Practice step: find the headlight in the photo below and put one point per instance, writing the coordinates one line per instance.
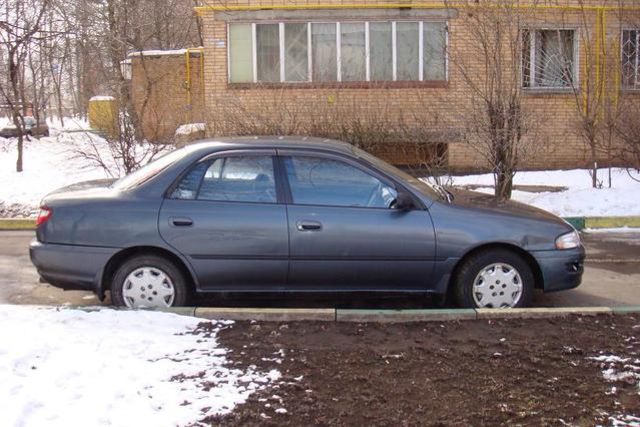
(568, 241)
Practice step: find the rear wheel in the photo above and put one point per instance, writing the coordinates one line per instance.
(148, 281)
(495, 278)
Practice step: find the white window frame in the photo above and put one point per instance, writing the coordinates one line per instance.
(636, 79)
(394, 53)
(532, 58)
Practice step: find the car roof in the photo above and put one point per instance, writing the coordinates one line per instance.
(304, 142)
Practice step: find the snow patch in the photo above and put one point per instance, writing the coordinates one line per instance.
(101, 98)
(163, 52)
(579, 199)
(190, 128)
(116, 368)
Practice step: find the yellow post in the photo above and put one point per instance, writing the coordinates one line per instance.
(188, 83)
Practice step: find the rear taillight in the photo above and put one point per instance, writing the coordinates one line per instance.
(44, 215)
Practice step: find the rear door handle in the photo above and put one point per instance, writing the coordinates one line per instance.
(309, 226)
(181, 221)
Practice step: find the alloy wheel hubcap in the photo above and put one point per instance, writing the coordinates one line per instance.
(498, 285)
(148, 287)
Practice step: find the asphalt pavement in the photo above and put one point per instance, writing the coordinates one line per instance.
(612, 279)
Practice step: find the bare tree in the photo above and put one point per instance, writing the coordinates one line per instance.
(20, 24)
(495, 122)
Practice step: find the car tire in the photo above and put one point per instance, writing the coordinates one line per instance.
(149, 281)
(485, 280)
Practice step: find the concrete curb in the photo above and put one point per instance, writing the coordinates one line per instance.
(539, 312)
(389, 316)
(595, 222)
(17, 224)
(579, 222)
(371, 315)
(267, 314)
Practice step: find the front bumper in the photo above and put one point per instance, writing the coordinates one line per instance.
(561, 269)
(70, 267)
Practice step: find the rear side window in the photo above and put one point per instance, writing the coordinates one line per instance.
(328, 182)
(233, 179)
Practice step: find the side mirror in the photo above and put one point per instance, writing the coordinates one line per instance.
(403, 202)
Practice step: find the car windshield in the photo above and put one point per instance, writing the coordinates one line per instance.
(400, 174)
(149, 170)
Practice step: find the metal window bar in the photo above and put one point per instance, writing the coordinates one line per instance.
(637, 60)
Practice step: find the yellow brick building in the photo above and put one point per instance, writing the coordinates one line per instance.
(304, 66)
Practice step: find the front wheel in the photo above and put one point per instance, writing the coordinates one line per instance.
(148, 281)
(494, 278)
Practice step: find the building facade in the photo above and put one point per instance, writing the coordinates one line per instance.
(406, 80)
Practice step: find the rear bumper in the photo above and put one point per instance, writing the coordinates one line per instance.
(561, 269)
(70, 267)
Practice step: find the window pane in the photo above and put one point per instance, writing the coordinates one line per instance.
(240, 53)
(408, 48)
(188, 187)
(554, 58)
(240, 179)
(434, 41)
(352, 52)
(380, 51)
(295, 52)
(323, 45)
(268, 52)
(327, 182)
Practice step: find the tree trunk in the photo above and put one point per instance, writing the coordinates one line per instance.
(594, 167)
(504, 186)
(19, 161)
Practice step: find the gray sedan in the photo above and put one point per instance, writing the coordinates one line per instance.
(295, 215)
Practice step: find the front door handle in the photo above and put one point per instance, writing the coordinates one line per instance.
(309, 226)
(181, 221)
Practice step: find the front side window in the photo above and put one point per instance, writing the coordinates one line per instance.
(328, 182)
(548, 58)
(233, 179)
(630, 59)
(337, 51)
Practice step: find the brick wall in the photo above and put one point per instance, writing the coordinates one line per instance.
(443, 109)
(163, 94)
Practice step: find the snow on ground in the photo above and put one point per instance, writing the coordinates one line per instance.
(49, 163)
(621, 371)
(52, 162)
(610, 230)
(623, 199)
(116, 368)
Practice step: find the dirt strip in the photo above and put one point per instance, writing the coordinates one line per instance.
(484, 372)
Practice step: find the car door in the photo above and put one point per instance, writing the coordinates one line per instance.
(225, 215)
(343, 233)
